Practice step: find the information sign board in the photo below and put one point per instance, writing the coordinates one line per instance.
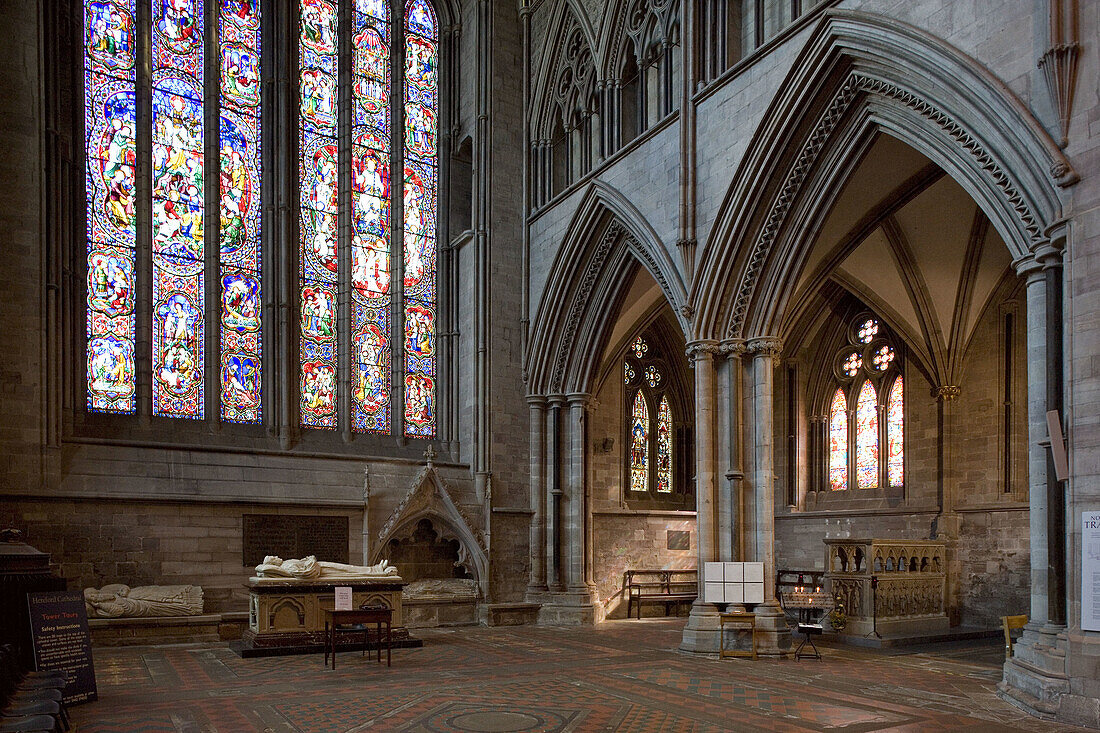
(59, 632)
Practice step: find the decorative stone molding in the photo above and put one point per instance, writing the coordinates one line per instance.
(765, 346)
(430, 498)
(646, 257)
(947, 392)
(700, 350)
(733, 348)
(854, 86)
(1059, 65)
(580, 300)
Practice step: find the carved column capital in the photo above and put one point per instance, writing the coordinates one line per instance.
(579, 399)
(733, 348)
(704, 349)
(947, 392)
(766, 347)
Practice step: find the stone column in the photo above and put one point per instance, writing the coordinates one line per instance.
(1037, 430)
(537, 582)
(555, 536)
(729, 499)
(774, 635)
(575, 496)
(1038, 667)
(701, 634)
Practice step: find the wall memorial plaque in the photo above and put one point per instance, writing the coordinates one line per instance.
(1090, 571)
(678, 539)
(294, 536)
(59, 631)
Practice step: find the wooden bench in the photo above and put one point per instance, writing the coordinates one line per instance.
(1009, 623)
(659, 586)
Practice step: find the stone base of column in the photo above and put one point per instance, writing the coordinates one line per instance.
(773, 633)
(537, 594)
(702, 633)
(1035, 678)
(570, 608)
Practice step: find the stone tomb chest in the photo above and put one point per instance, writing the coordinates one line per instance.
(286, 615)
(910, 580)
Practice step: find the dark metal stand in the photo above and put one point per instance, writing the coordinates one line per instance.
(874, 607)
(808, 628)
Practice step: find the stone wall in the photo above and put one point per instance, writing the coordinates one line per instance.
(93, 543)
(636, 541)
(993, 558)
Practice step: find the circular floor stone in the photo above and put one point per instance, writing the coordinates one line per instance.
(495, 722)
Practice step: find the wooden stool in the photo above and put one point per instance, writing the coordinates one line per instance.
(739, 618)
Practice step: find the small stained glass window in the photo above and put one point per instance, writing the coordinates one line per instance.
(639, 444)
(628, 373)
(882, 358)
(838, 442)
(895, 434)
(867, 331)
(652, 376)
(639, 347)
(852, 364)
(664, 448)
(867, 437)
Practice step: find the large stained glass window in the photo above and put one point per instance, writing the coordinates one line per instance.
(318, 162)
(895, 434)
(368, 171)
(239, 209)
(838, 442)
(419, 202)
(664, 448)
(639, 444)
(178, 208)
(175, 290)
(371, 230)
(867, 437)
(374, 239)
(111, 145)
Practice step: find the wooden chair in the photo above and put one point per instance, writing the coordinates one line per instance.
(1010, 623)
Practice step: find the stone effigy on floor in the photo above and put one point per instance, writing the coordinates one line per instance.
(146, 601)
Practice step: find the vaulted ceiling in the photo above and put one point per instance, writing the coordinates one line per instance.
(911, 243)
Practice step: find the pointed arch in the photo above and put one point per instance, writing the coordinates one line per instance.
(569, 16)
(606, 238)
(860, 74)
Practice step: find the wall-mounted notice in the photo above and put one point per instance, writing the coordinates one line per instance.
(1090, 571)
(59, 629)
(343, 598)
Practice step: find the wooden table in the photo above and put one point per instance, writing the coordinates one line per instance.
(365, 616)
(736, 617)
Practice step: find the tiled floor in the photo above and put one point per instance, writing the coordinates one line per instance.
(622, 675)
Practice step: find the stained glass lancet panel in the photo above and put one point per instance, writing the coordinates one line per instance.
(110, 143)
(867, 438)
(317, 246)
(370, 244)
(239, 209)
(895, 434)
(177, 223)
(664, 448)
(639, 444)
(420, 200)
(838, 442)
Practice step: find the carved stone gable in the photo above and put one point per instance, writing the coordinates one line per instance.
(429, 497)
